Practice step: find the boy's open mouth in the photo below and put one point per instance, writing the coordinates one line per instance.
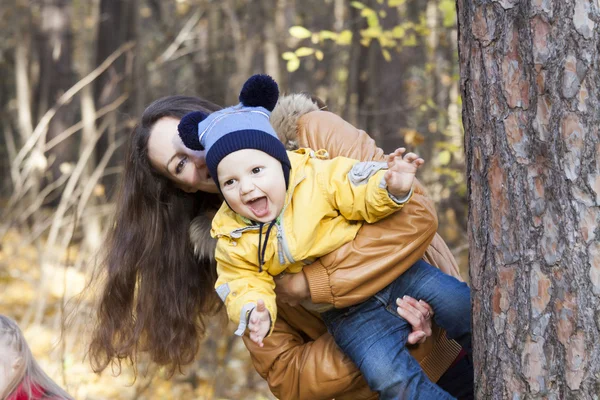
(259, 206)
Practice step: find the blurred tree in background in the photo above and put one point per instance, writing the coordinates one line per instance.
(76, 74)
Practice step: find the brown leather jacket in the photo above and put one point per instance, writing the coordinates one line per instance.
(300, 360)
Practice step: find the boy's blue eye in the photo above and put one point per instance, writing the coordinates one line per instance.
(256, 170)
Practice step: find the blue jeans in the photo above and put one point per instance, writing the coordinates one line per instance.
(374, 336)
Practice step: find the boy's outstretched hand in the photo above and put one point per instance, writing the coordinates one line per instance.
(259, 323)
(401, 172)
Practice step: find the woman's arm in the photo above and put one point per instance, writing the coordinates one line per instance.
(301, 361)
(381, 251)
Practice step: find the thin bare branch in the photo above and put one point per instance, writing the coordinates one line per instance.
(33, 207)
(179, 39)
(11, 146)
(70, 188)
(42, 126)
(98, 172)
(78, 126)
(96, 211)
(22, 87)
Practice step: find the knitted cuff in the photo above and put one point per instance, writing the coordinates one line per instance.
(441, 357)
(318, 283)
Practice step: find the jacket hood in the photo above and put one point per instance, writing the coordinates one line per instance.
(285, 115)
(284, 119)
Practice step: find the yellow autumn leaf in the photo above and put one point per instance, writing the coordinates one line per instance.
(413, 138)
(345, 37)
(319, 55)
(342, 74)
(384, 41)
(371, 33)
(398, 32)
(386, 55)
(396, 3)
(444, 157)
(304, 51)
(324, 35)
(288, 55)
(357, 4)
(300, 32)
(410, 41)
(293, 64)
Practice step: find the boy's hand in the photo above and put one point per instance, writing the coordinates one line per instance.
(401, 172)
(259, 323)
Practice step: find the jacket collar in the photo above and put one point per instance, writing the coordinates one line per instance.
(285, 115)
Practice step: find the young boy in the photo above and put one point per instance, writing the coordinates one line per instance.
(313, 206)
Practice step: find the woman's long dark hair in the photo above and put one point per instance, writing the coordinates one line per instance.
(157, 294)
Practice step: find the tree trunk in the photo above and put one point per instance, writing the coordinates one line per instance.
(118, 25)
(530, 82)
(92, 226)
(273, 32)
(55, 48)
(357, 52)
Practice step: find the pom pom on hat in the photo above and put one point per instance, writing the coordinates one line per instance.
(188, 130)
(243, 126)
(260, 91)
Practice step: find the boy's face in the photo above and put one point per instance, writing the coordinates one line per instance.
(253, 184)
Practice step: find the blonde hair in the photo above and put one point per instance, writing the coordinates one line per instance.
(29, 372)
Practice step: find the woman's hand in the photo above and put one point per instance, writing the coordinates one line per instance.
(292, 288)
(418, 314)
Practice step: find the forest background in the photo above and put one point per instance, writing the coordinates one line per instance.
(77, 73)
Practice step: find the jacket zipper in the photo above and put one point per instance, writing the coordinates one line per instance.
(282, 246)
(237, 233)
(284, 249)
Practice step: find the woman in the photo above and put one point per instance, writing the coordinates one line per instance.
(168, 282)
(21, 377)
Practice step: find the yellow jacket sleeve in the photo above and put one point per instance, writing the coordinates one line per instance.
(240, 285)
(357, 189)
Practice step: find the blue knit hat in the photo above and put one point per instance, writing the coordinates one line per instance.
(244, 126)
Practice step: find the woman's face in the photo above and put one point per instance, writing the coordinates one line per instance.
(169, 156)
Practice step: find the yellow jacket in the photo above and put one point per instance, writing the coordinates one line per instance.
(324, 209)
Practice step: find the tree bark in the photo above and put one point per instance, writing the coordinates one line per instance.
(530, 82)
